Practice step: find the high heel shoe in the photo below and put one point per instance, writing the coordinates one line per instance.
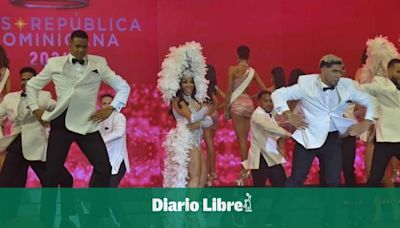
(244, 174)
(395, 175)
(211, 178)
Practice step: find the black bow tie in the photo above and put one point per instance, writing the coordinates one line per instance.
(328, 88)
(82, 62)
(23, 94)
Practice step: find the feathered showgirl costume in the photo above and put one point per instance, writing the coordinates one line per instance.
(185, 60)
(379, 52)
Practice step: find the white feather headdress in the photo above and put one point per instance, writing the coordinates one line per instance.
(379, 52)
(185, 60)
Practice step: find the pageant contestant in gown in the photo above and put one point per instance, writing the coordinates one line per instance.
(183, 86)
(238, 103)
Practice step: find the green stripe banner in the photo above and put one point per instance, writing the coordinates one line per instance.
(208, 207)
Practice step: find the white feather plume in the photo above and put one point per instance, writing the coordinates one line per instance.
(185, 60)
(379, 52)
(177, 146)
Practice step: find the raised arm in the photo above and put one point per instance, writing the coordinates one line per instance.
(119, 85)
(281, 96)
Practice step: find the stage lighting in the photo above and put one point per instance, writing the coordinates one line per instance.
(52, 4)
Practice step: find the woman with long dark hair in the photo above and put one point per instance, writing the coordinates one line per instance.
(209, 133)
(277, 78)
(183, 86)
(294, 76)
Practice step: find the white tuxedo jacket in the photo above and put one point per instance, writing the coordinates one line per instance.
(388, 99)
(264, 134)
(317, 112)
(33, 134)
(79, 97)
(113, 132)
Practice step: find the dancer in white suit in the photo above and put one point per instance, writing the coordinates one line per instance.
(26, 146)
(27, 143)
(77, 77)
(387, 91)
(323, 99)
(113, 132)
(265, 158)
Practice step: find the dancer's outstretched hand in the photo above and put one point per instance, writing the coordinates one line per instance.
(38, 113)
(358, 128)
(296, 121)
(102, 114)
(193, 126)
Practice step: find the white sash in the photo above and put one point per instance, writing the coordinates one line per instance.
(4, 79)
(239, 90)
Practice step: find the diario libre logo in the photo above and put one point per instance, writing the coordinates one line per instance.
(206, 205)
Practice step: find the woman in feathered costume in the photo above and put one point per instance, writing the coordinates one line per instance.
(183, 86)
(378, 54)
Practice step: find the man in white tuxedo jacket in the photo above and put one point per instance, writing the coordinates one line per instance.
(27, 143)
(77, 78)
(387, 144)
(113, 132)
(26, 146)
(265, 158)
(323, 101)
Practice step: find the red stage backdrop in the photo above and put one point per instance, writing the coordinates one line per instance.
(134, 36)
